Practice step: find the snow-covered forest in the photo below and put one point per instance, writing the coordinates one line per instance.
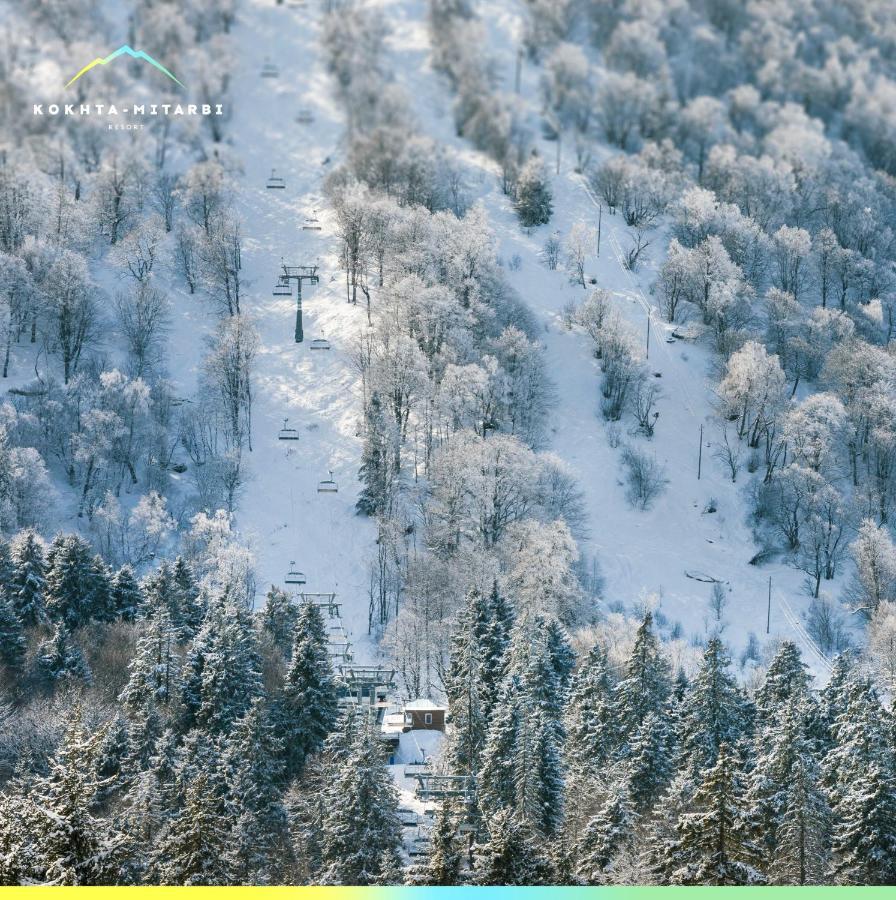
(523, 364)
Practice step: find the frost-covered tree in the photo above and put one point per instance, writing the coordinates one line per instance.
(533, 197)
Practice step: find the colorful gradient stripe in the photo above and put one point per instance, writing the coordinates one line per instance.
(451, 893)
(124, 51)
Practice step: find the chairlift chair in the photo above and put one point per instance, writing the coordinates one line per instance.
(311, 224)
(294, 576)
(327, 486)
(275, 182)
(269, 69)
(305, 117)
(286, 433)
(282, 288)
(320, 344)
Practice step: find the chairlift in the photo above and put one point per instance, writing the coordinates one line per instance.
(294, 576)
(305, 117)
(286, 433)
(327, 486)
(311, 224)
(282, 288)
(275, 182)
(269, 69)
(320, 344)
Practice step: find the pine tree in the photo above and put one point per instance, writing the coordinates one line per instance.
(306, 711)
(534, 200)
(125, 594)
(360, 828)
(714, 710)
(60, 659)
(609, 833)
(12, 636)
(647, 682)
(76, 847)
(711, 844)
(77, 583)
(254, 774)
(864, 845)
(27, 583)
(511, 855)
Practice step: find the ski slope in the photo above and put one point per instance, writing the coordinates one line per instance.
(280, 512)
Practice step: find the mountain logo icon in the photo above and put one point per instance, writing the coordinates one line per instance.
(124, 51)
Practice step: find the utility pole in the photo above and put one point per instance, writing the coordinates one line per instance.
(700, 455)
(519, 69)
(600, 215)
(647, 354)
(768, 615)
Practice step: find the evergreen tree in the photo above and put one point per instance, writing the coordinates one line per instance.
(864, 845)
(591, 734)
(360, 829)
(27, 583)
(376, 473)
(648, 766)
(254, 774)
(279, 617)
(60, 659)
(562, 655)
(496, 782)
(160, 590)
(714, 710)
(188, 598)
(785, 680)
(306, 711)
(711, 845)
(534, 200)
(784, 789)
(833, 697)
(155, 669)
(647, 682)
(802, 849)
(76, 848)
(445, 854)
(511, 856)
(77, 583)
(12, 636)
(222, 670)
(606, 835)
(125, 594)
(194, 846)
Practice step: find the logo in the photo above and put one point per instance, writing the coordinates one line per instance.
(124, 51)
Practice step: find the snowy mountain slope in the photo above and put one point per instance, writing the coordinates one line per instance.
(281, 512)
(641, 553)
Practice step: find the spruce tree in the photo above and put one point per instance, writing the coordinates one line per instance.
(254, 775)
(279, 617)
(785, 680)
(648, 766)
(188, 598)
(76, 848)
(591, 734)
(647, 682)
(12, 636)
(77, 583)
(27, 584)
(125, 594)
(562, 655)
(445, 853)
(864, 844)
(715, 711)
(306, 711)
(609, 833)
(59, 659)
(711, 844)
(155, 669)
(376, 460)
(496, 781)
(511, 856)
(361, 830)
(534, 200)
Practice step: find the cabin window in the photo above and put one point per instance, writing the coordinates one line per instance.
(427, 718)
